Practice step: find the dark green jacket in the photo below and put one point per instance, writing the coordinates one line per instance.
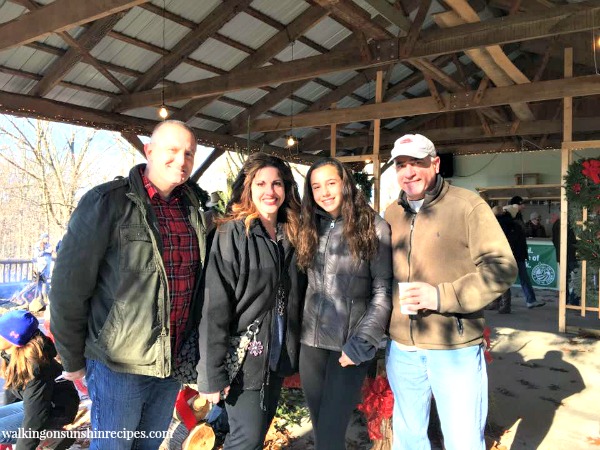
(110, 296)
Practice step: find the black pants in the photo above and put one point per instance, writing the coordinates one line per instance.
(332, 392)
(248, 423)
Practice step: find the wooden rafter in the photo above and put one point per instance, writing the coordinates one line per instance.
(392, 14)
(566, 19)
(222, 14)
(540, 91)
(64, 64)
(43, 108)
(415, 29)
(60, 15)
(267, 51)
(473, 133)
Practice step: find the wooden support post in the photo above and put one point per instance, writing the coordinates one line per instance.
(376, 141)
(564, 165)
(332, 139)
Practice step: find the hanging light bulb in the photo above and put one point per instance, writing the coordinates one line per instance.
(163, 112)
(291, 141)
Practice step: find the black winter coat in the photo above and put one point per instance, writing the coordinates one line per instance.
(46, 403)
(242, 274)
(346, 298)
(515, 233)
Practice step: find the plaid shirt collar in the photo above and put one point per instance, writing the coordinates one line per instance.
(152, 191)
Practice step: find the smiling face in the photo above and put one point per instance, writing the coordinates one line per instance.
(416, 176)
(326, 186)
(268, 192)
(170, 157)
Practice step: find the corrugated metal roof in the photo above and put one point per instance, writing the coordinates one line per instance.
(222, 110)
(10, 11)
(328, 33)
(218, 54)
(87, 99)
(124, 54)
(248, 30)
(184, 73)
(283, 11)
(311, 91)
(250, 96)
(87, 75)
(27, 59)
(182, 8)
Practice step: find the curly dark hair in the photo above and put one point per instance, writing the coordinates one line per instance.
(241, 206)
(357, 215)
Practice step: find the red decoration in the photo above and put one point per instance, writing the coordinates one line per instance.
(486, 338)
(184, 409)
(577, 188)
(292, 382)
(377, 404)
(591, 169)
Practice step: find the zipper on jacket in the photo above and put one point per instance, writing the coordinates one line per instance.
(410, 243)
(331, 227)
(164, 358)
(266, 369)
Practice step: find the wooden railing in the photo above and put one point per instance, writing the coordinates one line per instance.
(15, 270)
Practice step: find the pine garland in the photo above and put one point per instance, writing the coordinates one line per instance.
(364, 182)
(582, 185)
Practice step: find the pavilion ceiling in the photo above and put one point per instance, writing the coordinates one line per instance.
(476, 76)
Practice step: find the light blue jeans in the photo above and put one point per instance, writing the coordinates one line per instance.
(458, 381)
(11, 418)
(123, 402)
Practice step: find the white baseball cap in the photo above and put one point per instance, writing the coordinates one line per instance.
(413, 145)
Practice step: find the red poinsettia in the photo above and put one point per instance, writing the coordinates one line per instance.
(577, 188)
(377, 404)
(591, 169)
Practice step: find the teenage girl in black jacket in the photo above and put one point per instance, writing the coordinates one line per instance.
(344, 246)
(35, 399)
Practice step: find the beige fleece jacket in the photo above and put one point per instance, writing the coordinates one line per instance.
(454, 243)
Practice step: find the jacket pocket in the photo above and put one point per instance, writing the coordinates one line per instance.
(136, 251)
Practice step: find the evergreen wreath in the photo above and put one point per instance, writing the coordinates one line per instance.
(582, 185)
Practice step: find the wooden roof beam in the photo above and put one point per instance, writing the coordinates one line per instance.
(268, 50)
(43, 108)
(532, 92)
(222, 14)
(60, 15)
(471, 133)
(559, 20)
(88, 40)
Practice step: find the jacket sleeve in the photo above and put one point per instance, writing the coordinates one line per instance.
(37, 408)
(374, 323)
(495, 268)
(222, 273)
(75, 276)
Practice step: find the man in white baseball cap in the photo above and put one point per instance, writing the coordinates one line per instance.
(452, 259)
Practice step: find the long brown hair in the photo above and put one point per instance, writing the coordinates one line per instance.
(23, 361)
(358, 217)
(241, 206)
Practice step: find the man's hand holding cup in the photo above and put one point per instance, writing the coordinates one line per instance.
(415, 296)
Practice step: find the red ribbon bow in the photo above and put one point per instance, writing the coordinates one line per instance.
(377, 404)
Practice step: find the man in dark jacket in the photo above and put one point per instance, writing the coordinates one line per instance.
(126, 291)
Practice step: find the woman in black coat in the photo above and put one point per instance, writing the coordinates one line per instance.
(35, 399)
(252, 280)
(345, 249)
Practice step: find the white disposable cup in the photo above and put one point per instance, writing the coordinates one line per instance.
(404, 308)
